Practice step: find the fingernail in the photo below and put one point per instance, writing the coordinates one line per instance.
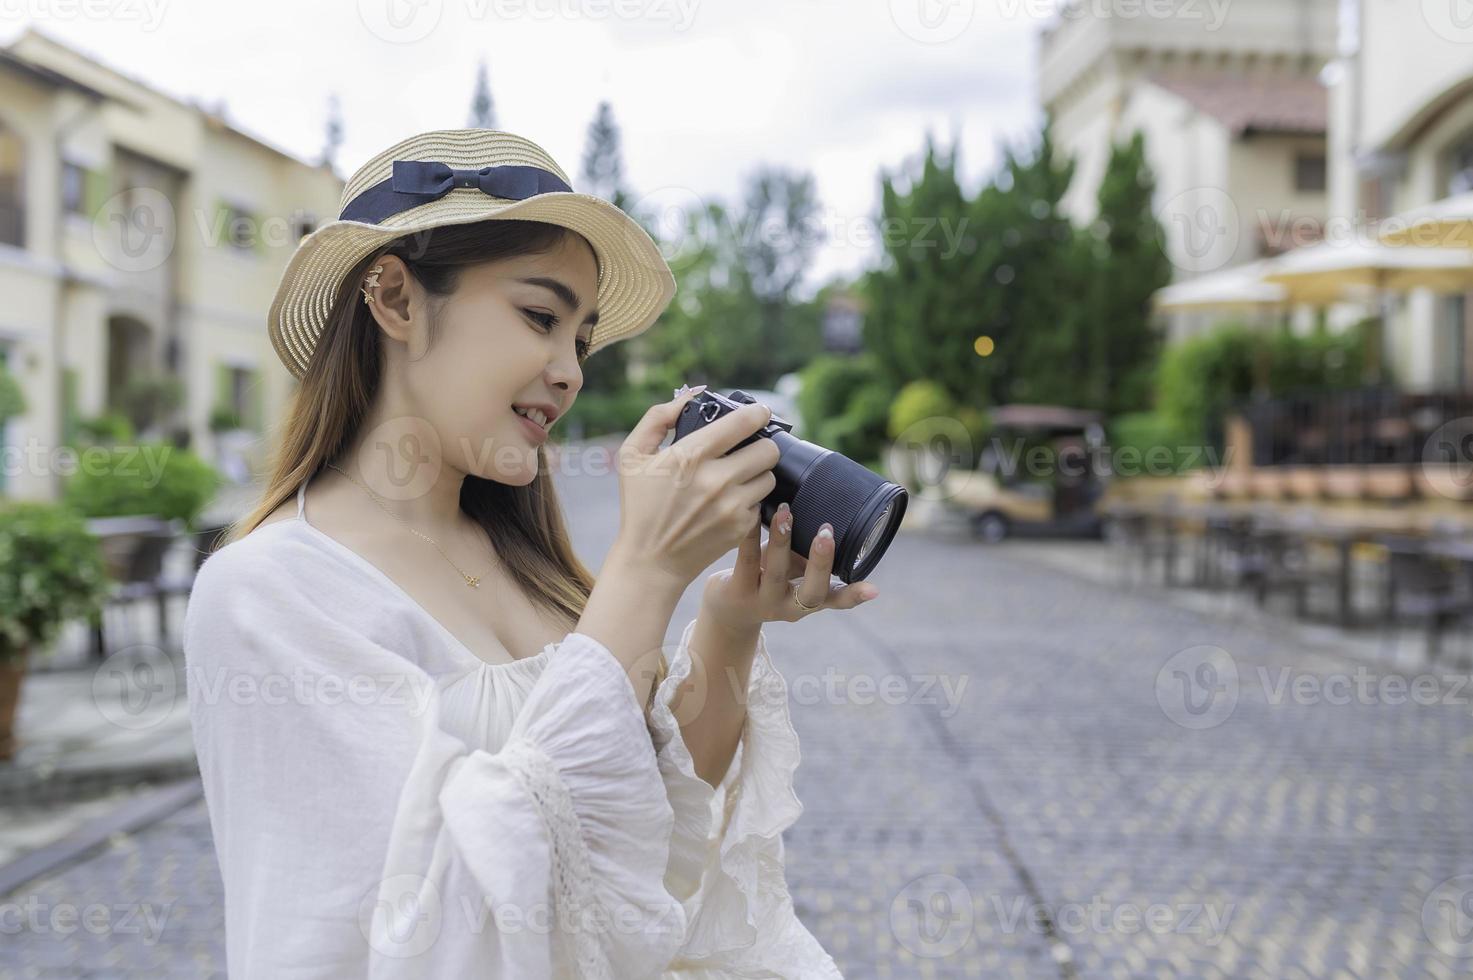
(867, 595)
(825, 537)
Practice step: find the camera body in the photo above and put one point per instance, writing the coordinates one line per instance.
(709, 406)
(820, 486)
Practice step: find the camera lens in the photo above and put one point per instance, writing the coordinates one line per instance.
(822, 486)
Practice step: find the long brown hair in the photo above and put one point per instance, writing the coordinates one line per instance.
(342, 380)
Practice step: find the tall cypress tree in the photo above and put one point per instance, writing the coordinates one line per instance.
(603, 159)
(1130, 263)
(922, 301)
(1032, 307)
(483, 111)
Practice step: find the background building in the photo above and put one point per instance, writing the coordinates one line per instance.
(1233, 113)
(1401, 136)
(141, 239)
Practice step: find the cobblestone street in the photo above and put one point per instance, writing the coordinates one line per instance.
(1009, 771)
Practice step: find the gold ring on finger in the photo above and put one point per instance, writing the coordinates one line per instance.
(803, 605)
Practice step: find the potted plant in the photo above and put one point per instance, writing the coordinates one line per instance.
(223, 418)
(152, 478)
(51, 571)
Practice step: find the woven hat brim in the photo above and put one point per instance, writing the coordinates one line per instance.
(635, 282)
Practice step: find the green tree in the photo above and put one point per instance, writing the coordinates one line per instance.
(922, 300)
(483, 110)
(602, 175)
(1033, 274)
(1129, 264)
(775, 247)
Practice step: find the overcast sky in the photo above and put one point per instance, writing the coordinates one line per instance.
(703, 91)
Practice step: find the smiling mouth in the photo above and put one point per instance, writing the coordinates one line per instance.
(529, 418)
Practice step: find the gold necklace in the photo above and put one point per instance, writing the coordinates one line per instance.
(474, 581)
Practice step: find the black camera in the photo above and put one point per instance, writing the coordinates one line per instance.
(819, 485)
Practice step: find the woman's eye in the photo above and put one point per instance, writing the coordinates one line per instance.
(582, 347)
(548, 320)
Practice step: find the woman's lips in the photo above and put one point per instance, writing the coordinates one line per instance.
(534, 431)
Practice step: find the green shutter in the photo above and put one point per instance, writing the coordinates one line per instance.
(95, 187)
(68, 405)
(254, 419)
(222, 386)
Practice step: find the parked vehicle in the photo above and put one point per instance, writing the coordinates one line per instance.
(1037, 475)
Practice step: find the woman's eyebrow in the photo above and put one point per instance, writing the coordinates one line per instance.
(563, 292)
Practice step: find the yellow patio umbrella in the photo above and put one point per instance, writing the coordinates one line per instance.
(1447, 223)
(1238, 288)
(1330, 272)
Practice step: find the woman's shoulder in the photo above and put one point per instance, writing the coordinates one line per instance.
(262, 564)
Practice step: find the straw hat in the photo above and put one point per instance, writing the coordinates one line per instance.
(454, 176)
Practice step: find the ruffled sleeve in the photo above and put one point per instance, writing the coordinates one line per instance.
(726, 860)
(357, 837)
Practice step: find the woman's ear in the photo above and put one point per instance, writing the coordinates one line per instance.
(395, 299)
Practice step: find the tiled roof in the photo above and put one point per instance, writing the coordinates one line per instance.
(1252, 103)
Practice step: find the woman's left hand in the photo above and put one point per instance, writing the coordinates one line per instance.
(760, 588)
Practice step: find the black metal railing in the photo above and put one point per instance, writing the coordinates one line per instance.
(1363, 426)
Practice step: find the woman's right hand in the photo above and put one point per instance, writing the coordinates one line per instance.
(684, 506)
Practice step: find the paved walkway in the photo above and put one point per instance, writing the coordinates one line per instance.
(1016, 770)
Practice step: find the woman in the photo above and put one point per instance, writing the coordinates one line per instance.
(397, 784)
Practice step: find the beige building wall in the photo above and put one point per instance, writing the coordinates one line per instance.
(1215, 188)
(192, 300)
(1401, 100)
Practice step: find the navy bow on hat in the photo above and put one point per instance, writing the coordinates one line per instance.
(416, 182)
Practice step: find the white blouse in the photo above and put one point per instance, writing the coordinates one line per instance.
(384, 803)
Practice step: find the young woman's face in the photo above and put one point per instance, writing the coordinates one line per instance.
(510, 335)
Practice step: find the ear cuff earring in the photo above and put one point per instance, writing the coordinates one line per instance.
(370, 281)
